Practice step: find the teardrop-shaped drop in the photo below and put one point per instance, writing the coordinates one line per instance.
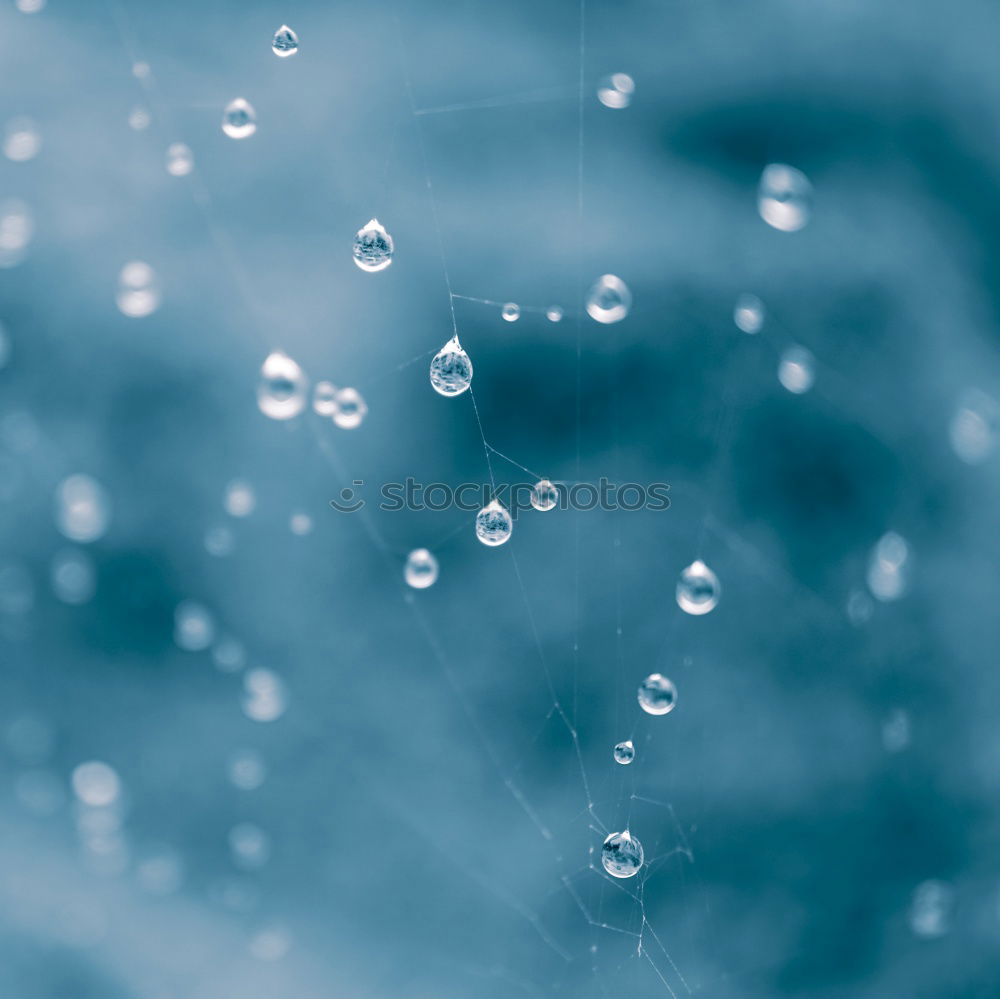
(285, 42)
(373, 247)
(281, 391)
(609, 300)
(451, 369)
(351, 409)
(784, 197)
(493, 524)
(239, 120)
(698, 589)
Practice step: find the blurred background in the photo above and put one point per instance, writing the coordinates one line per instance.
(240, 757)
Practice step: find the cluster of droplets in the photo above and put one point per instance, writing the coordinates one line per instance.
(283, 390)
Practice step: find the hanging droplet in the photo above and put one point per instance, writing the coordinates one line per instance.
(83, 508)
(544, 495)
(373, 247)
(282, 389)
(325, 398)
(889, 567)
(657, 695)
(622, 855)
(493, 524)
(180, 159)
(138, 290)
(239, 120)
(609, 300)
(797, 370)
(624, 753)
(351, 409)
(784, 197)
(22, 140)
(285, 42)
(421, 569)
(554, 313)
(973, 428)
(451, 369)
(698, 589)
(511, 312)
(615, 91)
(749, 314)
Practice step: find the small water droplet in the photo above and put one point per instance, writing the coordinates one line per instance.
(239, 499)
(609, 300)
(493, 524)
(657, 695)
(973, 427)
(511, 312)
(246, 769)
(797, 370)
(180, 159)
(250, 846)
(138, 290)
(784, 197)
(300, 524)
(139, 119)
(351, 409)
(74, 580)
(265, 697)
(616, 91)
(194, 627)
(325, 398)
(698, 589)
(888, 567)
(451, 369)
(421, 569)
(282, 389)
(22, 140)
(624, 753)
(373, 247)
(622, 855)
(239, 120)
(285, 42)
(83, 508)
(554, 313)
(17, 228)
(96, 784)
(544, 495)
(749, 314)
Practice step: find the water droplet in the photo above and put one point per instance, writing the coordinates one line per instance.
(194, 627)
(96, 784)
(616, 91)
(264, 695)
(140, 70)
(139, 119)
(180, 159)
(351, 409)
(544, 495)
(511, 312)
(285, 42)
(888, 567)
(622, 855)
(228, 655)
(73, 576)
(83, 508)
(554, 313)
(325, 398)
(282, 389)
(239, 499)
(373, 247)
(239, 120)
(609, 300)
(451, 369)
(220, 541)
(22, 140)
(930, 910)
(493, 524)
(300, 524)
(698, 589)
(973, 428)
(30, 6)
(796, 370)
(138, 290)
(784, 197)
(624, 753)
(749, 314)
(421, 569)
(250, 846)
(17, 227)
(246, 769)
(657, 695)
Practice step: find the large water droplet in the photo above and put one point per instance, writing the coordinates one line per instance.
(180, 159)
(239, 120)
(373, 247)
(622, 855)
(624, 753)
(493, 524)
(657, 695)
(282, 389)
(615, 91)
(451, 369)
(749, 314)
(698, 589)
(351, 409)
(285, 42)
(609, 300)
(784, 197)
(421, 569)
(544, 495)
(797, 370)
(138, 290)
